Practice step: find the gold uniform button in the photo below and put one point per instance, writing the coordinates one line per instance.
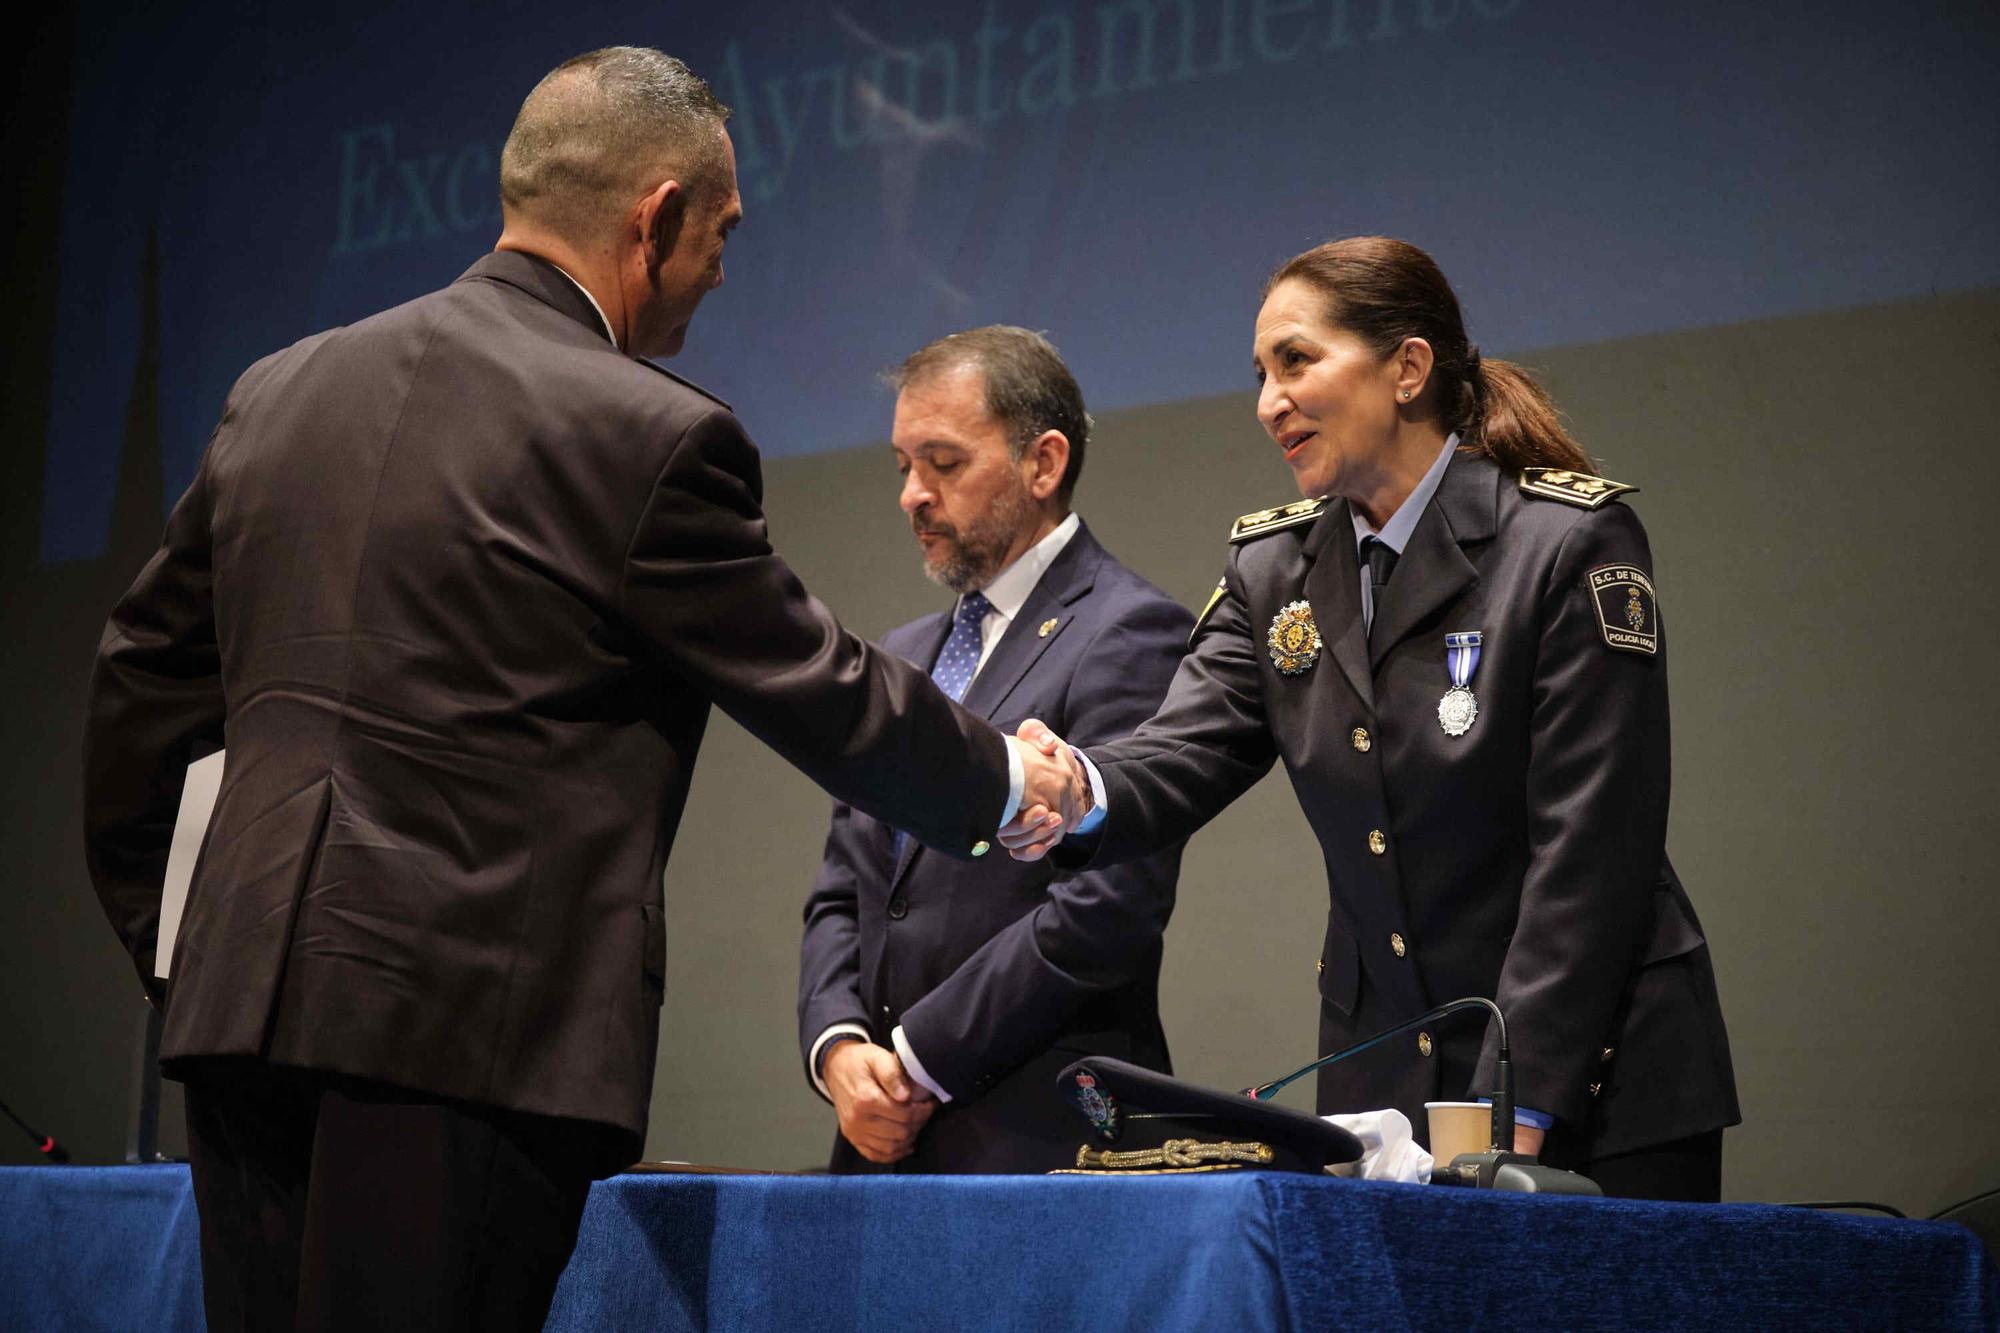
(1424, 1044)
(1378, 841)
(1396, 943)
(1319, 964)
(1605, 1055)
(1359, 737)
(981, 847)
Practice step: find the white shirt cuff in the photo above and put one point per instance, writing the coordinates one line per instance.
(1017, 781)
(812, 1056)
(1093, 821)
(915, 1067)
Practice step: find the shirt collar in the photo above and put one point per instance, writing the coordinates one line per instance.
(588, 297)
(1395, 534)
(1010, 587)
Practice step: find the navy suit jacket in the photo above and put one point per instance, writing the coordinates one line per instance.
(1002, 972)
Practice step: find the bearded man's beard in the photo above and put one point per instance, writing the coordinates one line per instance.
(970, 558)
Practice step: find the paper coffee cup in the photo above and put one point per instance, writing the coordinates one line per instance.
(1458, 1127)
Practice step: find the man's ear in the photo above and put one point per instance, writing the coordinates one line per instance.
(1049, 454)
(661, 216)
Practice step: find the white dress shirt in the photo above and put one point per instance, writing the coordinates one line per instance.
(588, 297)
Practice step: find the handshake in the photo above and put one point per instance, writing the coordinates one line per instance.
(1055, 795)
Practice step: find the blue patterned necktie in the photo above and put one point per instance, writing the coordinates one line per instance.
(956, 662)
(959, 657)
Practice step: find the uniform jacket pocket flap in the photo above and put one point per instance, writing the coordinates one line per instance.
(1339, 969)
(1674, 928)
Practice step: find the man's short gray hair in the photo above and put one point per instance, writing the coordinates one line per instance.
(602, 129)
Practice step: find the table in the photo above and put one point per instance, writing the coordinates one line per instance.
(116, 1248)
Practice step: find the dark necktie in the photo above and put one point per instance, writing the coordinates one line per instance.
(1381, 558)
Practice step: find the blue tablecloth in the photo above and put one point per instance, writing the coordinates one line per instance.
(115, 1248)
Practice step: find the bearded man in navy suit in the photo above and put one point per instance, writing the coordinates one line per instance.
(938, 1000)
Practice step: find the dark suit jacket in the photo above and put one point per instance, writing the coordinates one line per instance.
(999, 972)
(457, 586)
(1524, 860)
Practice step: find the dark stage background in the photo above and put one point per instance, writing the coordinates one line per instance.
(1754, 252)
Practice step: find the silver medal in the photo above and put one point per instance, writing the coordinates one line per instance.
(1457, 710)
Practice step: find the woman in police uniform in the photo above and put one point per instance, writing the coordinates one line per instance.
(1454, 645)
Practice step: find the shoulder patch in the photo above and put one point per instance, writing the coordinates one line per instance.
(1221, 586)
(682, 380)
(1577, 488)
(1271, 520)
(1627, 610)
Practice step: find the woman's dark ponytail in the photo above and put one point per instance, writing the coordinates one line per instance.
(1385, 291)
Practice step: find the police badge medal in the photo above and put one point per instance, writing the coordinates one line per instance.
(1294, 639)
(1458, 710)
(1099, 1107)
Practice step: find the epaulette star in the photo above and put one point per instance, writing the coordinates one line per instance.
(1577, 488)
(1272, 520)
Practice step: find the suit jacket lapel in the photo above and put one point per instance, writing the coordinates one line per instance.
(1072, 574)
(1333, 586)
(1434, 569)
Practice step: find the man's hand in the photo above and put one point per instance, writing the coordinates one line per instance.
(880, 1107)
(1054, 798)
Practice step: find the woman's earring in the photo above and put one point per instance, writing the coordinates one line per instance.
(1406, 395)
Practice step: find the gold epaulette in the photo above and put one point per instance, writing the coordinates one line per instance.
(1271, 520)
(1577, 488)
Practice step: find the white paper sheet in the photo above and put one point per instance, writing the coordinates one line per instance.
(204, 780)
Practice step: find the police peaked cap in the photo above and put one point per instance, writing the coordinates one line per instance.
(1140, 1121)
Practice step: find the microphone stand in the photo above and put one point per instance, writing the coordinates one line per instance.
(1499, 1167)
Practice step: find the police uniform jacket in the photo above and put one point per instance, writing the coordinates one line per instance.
(1523, 860)
(456, 586)
(999, 971)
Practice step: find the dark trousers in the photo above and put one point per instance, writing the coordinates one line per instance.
(1685, 1170)
(335, 1203)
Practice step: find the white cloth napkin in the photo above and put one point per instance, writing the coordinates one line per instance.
(1389, 1148)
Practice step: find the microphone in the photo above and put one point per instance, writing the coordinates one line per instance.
(45, 1144)
(1499, 1167)
(1503, 1092)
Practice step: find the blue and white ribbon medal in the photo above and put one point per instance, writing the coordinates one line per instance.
(1458, 709)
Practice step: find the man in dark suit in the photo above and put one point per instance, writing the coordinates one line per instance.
(938, 1000)
(457, 585)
